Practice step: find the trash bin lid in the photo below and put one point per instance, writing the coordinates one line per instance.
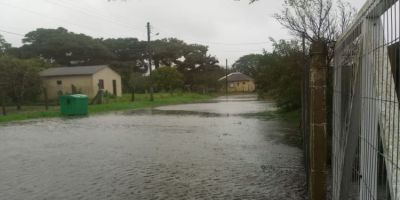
(79, 96)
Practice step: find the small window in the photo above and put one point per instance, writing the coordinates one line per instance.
(244, 83)
(59, 82)
(101, 84)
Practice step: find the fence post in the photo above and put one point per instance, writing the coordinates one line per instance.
(317, 112)
(305, 110)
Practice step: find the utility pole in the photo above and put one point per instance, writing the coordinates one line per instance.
(226, 77)
(149, 54)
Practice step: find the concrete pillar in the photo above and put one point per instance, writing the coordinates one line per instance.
(318, 132)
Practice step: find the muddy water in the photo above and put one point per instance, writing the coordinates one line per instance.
(194, 151)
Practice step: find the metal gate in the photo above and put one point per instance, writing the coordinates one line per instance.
(365, 157)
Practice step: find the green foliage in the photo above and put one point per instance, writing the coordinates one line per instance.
(206, 80)
(281, 75)
(21, 78)
(167, 51)
(278, 74)
(248, 64)
(167, 78)
(138, 82)
(63, 47)
(4, 46)
(126, 49)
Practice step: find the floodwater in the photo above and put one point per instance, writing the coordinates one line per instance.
(193, 151)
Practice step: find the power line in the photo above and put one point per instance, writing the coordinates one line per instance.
(115, 17)
(223, 43)
(232, 44)
(47, 17)
(88, 13)
(12, 33)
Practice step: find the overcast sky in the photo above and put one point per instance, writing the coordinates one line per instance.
(230, 28)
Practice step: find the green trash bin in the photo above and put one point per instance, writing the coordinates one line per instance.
(72, 105)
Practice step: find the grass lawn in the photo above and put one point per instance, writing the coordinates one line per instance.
(117, 104)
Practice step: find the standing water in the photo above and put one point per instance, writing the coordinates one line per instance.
(192, 151)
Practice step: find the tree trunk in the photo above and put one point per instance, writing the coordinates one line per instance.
(156, 63)
(3, 104)
(46, 99)
(133, 95)
(18, 106)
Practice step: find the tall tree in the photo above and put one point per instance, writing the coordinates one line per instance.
(64, 47)
(248, 64)
(4, 46)
(126, 49)
(167, 78)
(167, 51)
(22, 78)
(137, 81)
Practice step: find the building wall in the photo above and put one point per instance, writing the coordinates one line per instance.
(82, 83)
(241, 86)
(107, 75)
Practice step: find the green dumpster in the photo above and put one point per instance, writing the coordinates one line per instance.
(76, 104)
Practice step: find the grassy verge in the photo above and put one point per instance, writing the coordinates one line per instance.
(117, 104)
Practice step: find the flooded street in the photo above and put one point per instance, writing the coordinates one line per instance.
(193, 151)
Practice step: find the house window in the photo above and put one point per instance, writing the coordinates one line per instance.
(244, 83)
(101, 84)
(59, 82)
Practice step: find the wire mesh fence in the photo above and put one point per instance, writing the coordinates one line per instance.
(365, 157)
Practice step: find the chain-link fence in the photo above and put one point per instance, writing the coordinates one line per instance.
(365, 160)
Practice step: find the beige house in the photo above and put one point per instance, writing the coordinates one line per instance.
(83, 79)
(238, 82)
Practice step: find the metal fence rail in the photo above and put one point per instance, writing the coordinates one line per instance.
(365, 157)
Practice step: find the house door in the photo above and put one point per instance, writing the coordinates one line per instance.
(114, 87)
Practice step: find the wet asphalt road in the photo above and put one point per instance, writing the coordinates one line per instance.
(194, 151)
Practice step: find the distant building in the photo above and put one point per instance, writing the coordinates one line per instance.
(238, 82)
(81, 79)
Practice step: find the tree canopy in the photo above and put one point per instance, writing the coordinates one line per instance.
(248, 64)
(20, 78)
(64, 47)
(167, 78)
(277, 73)
(4, 46)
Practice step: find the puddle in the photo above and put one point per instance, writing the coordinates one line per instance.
(191, 151)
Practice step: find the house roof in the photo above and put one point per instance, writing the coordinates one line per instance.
(236, 76)
(72, 71)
